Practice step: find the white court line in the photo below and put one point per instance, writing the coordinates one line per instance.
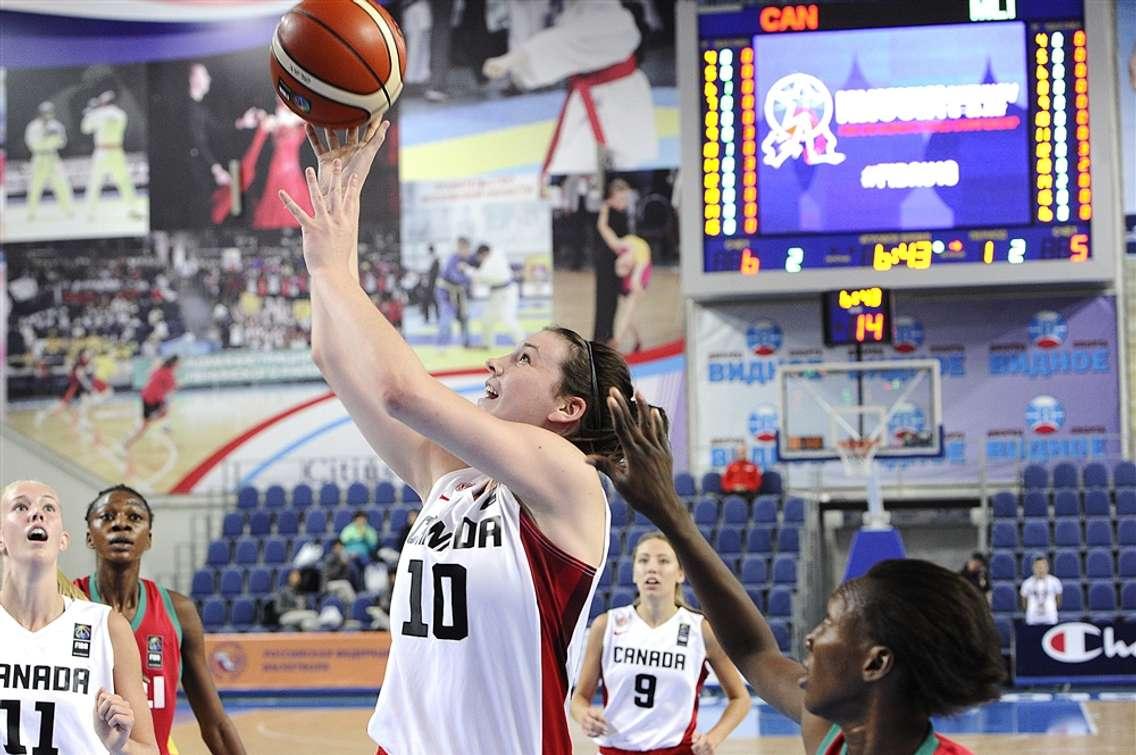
(171, 459)
(1088, 718)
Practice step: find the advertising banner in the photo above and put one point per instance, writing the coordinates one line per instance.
(1075, 652)
(310, 662)
(1024, 380)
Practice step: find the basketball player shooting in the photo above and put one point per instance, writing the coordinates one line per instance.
(906, 641)
(497, 574)
(70, 676)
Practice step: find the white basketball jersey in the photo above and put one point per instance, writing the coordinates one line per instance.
(50, 679)
(487, 616)
(652, 678)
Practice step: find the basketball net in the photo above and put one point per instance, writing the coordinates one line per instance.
(857, 455)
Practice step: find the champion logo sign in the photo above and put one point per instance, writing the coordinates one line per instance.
(1077, 642)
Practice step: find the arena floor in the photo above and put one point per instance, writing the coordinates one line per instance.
(1068, 726)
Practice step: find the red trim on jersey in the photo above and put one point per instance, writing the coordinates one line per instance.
(562, 584)
(688, 735)
(684, 749)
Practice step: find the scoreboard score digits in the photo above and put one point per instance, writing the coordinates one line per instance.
(861, 138)
(857, 316)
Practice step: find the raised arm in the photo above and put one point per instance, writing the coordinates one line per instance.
(381, 381)
(217, 729)
(646, 481)
(590, 717)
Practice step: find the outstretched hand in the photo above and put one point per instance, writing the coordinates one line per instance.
(646, 476)
(331, 232)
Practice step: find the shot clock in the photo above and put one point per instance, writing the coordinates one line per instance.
(857, 316)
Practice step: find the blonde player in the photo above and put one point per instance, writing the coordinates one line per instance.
(45, 136)
(652, 657)
(106, 121)
(70, 675)
(496, 576)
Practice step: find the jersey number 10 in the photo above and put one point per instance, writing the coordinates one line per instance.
(458, 626)
(12, 744)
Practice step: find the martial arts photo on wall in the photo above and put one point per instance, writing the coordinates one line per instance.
(76, 152)
(229, 145)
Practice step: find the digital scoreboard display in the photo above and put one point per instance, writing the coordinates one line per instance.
(857, 316)
(894, 135)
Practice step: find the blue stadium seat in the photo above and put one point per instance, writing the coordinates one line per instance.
(287, 522)
(1065, 475)
(712, 483)
(1036, 505)
(759, 540)
(282, 577)
(692, 600)
(260, 523)
(1067, 532)
(1035, 534)
(794, 511)
(755, 570)
(684, 485)
(757, 595)
(218, 553)
(729, 541)
(1128, 597)
(259, 581)
(1126, 531)
(614, 543)
(1005, 505)
(607, 575)
(598, 607)
(1098, 564)
(275, 550)
(782, 634)
(375, 518)
(248, 498)
(248, 551)
(1094, 475)
(315, 523)
(359, 606)
(1066, 503)
(1005, 629)
(785, 570)
(1098, 532)
(621, 596)
(203, 584)
(274, 497)
(639, 519)
(771, 483)
(384, 492)
(780, 602)
(398, 516)
(1097, 502)
(1035, 477)
(302, 496)
(1002, 566)
(788, 540)
(232, 582)
(233, 524)
(707, 532)
(765, 509)
(243, 614)
(1072, 601)
(357, 495)
(341, 518)
(635, 532)
(619, 510)
(1067, 565)
(1004, 599)
(1027, 563)
(1124, 475)
(1126, 502)
(213, 614)
(735, 510)
(329, 494)
(1127, 563)
(625, 572)
(706, 511)
(1102, 596)
(409, 495)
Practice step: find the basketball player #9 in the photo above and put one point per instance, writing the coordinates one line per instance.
(338, 65)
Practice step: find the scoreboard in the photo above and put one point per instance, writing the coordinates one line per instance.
(894, 144)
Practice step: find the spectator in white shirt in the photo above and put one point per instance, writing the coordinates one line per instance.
(1041, 594)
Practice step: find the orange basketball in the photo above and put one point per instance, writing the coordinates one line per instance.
(337, 64)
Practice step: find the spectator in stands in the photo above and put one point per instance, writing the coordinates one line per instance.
(360, 539)
(976, 572)
(340, 575)
(742, 475)
(1041, 594)
(292, 610)
(390, 556)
